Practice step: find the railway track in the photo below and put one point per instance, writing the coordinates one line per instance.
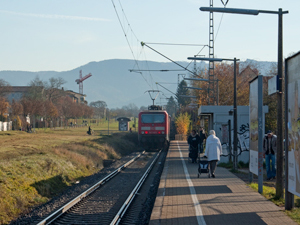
(108, 204)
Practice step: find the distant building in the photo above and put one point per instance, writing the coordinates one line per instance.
(17, 92)
(249, 73)
(76, 97)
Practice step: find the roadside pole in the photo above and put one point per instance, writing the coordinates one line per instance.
(260, 134)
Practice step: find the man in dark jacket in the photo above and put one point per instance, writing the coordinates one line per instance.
(193, 141)
(202, 136)
(270, 149)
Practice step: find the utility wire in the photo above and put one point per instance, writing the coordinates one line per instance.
(167, 83)
(219, 27)
(174, 44)
(167, 89)
(148, 67)
(180, 44)
(128, 41)
(224, 3)
(143, 44)
(197, 54)
(129, 27)
(127, 20)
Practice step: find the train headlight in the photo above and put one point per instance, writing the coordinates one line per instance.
(142, 132)
(163, 132)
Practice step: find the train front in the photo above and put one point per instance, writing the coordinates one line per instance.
(154, 128)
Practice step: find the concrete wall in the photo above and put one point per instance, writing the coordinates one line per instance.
(218, 121)
(5, 126)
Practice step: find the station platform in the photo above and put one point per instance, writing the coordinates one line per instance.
(183, 198)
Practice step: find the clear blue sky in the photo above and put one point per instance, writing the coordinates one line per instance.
(64, 34)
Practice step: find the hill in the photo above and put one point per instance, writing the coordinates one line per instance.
(112, 81)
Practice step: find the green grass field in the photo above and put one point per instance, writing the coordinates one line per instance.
(34, 167)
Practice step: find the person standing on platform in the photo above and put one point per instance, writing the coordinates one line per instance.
(270, 148)
(212, 152)
(193, 142)
(202, 136)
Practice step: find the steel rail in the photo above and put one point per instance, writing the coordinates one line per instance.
(130, 198)
(77, 199)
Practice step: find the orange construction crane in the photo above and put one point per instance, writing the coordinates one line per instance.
(80, 80)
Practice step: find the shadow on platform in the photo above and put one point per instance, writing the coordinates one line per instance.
(224, 219)
(218, 189)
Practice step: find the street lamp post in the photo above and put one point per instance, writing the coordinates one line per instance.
(279, 156)
(234, 103)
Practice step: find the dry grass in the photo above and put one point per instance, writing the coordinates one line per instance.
(35, 167)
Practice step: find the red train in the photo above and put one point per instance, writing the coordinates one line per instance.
(154, 128)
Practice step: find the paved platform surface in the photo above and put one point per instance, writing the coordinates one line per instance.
(183, 198)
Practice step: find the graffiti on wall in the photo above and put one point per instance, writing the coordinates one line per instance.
(243, 138)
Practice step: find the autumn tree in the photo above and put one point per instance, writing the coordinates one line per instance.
(16, 111)
(27, 106)
(131, 110)
(87, 111)
(47, 90)
(37, 89)
(54, 89)
(223, 74)
(32, 107)
(50, 111)
(4, 107)
(99, 108)
(67, 107)
(182, 123)
(202, 95)
(271, 102)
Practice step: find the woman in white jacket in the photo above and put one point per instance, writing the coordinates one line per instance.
(212, 152)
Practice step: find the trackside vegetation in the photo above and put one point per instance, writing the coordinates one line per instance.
(270, 194)
(35, 167)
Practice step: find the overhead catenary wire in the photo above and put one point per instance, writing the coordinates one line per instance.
(167, 89)
(182, 45)
(174, 44)
(148, 67)
(125, 34)
(144, 44)
(127, 20)
(197, 54)
(219, 27)
(167, 83)
(224, 3)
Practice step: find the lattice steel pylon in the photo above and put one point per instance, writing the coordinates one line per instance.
(211, 75)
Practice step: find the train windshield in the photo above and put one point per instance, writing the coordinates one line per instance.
(153, 118)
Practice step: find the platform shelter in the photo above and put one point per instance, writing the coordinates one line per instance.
(220, 119)
(124, 123)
